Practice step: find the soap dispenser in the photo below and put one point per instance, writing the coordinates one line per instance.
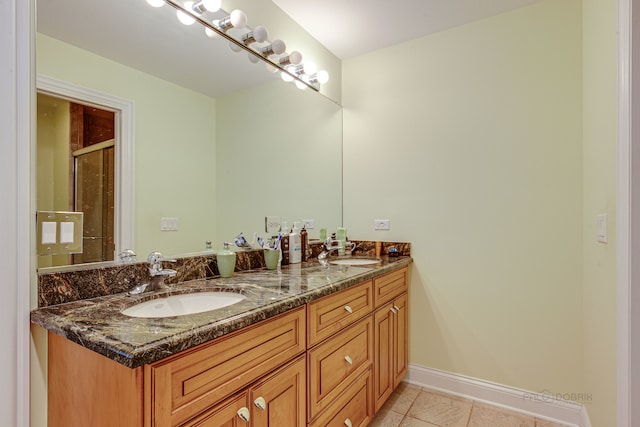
(295, 244)
(226, 261)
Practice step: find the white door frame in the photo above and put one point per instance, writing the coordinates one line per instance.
(124, 157)
(628, 226)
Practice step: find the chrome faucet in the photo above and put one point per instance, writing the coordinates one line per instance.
(328, 246)
(158, 274)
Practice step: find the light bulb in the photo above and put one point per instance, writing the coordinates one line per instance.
(252, 58)
(207, 5)
(238, 18)
(275, 48)
(300, 85)
(294, 58)
(156, 3)
(286, 77)
(234, 47)
(310, 68)
(212, 5)
(211, 34)
(322, 77)
(183, 17)
(270, 68)
(258, 35)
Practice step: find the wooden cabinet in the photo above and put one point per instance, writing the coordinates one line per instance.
(352, 408)
(333, 362)
(277, 401)
(184, 385)
(391, 339)
(330, 314)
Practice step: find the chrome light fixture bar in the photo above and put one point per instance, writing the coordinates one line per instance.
(240, 45)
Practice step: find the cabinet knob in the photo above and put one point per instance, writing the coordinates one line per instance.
(348, 423)
(349, 360)
(260, 403)
(349, 309)
(243, 413)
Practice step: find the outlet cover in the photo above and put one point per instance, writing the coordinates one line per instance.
(309, 224)
(601, 226)
(272, 224)
(381, 224)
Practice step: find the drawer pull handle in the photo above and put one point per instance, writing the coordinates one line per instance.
(348, 423)
(349, 360)
(243, 413)
(260, 403)
(393, 310)
(349, 309)
(396, 307)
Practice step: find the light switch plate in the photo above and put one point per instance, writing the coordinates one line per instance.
(168, 224)
(601, 227)
(309, 224)
(59, 233)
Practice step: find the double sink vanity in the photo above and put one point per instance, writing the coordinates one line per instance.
(304, 345)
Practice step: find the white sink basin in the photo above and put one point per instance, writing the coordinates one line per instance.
(355, 261)
(179, 305)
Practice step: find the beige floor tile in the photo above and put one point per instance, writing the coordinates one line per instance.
(441, 409)
(401, 399)
(543, 423)
(386, 418)
(414, 422)
(489, 416)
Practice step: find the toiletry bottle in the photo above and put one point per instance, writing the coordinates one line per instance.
(341, 236)
(226, 261)
(304, 242)
(295, 245)
(284, 244)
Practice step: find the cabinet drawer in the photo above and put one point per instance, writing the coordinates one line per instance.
(355, 405)
(184, 385)
(389, 286)
(330, 314)
(334, 363)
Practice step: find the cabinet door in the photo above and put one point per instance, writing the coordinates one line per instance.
(280, 401)
(226, 414)
(383, 355)
(401, 338)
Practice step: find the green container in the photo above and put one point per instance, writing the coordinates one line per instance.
(226, 261)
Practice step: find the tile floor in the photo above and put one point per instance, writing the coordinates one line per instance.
(412, 406)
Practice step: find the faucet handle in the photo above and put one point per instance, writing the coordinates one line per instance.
(155, 261)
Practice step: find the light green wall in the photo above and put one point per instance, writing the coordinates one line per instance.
(277, 158)
(599, 181)
(469, 142)
(174, 145)
(52, 155)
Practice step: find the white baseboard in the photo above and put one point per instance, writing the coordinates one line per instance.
(540, 405)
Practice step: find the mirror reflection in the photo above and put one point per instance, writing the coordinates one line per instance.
(217, 165)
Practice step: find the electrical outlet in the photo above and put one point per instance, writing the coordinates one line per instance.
(308, 223)
(381, 224)
(168, 224)
(272, 224)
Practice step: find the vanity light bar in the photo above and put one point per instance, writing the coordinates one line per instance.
(302, 81)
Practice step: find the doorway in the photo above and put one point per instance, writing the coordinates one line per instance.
(76, 150)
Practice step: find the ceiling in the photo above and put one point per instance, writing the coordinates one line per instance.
(150, 40)
(349, 28)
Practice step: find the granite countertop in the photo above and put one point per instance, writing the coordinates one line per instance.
(99, 325)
